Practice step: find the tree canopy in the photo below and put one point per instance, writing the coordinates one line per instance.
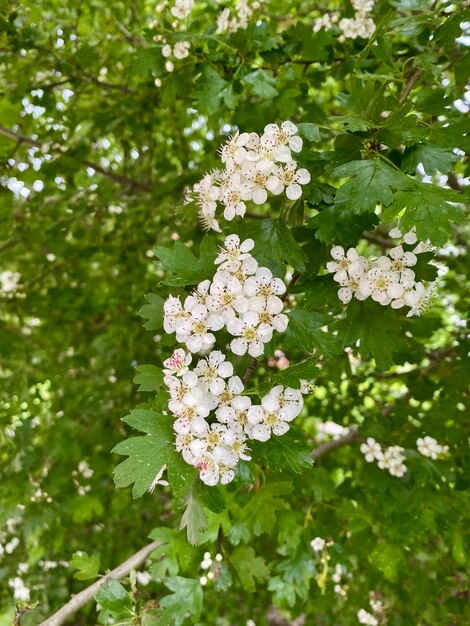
(234, 290)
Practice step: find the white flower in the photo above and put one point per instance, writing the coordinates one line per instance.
(349, 263)
(20, 591)
(173, 313)
(366, 618)
(235, 414)
(182, 8)
(177, 363)
(317, 544)
(285, 135)
(290, 179)
(285, 401)
(181, 49)
(392, 460)
(234, 250)
(194, 331)
(418, 299)
(269, 418)
(371, 450)
(381, 285)
(264, 285)
(9, 281)
(213, 368)
(224, 291)
(234, 152)
(251, 336)
(401, 259)
(363, 5)
(429, 447)
(225, 391)
(143, 578)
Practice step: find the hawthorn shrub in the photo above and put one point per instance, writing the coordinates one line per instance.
(234, 289)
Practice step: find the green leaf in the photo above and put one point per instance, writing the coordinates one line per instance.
(371, 183)
(262, 84)
(172, 555)
(213, 92)
(427, 207)
(210, 497)
(193, 519)
(10, 112)
(113, 597)
(289, 451)
(433, 158)
(145, 420)
(88, 566)
(248, 567)
(378, 331)
(291, 376)
(153, 312)
(258, 516)
(148, 377)
(186, 268)
(288, 248)
(305, 327)
(335, 224)
(309, 131)
(187, 597)
(147, 455)
(388, 559)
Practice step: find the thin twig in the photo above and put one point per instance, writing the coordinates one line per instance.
(87, 594)
(328, 446)
(409, 85)
(121, 180)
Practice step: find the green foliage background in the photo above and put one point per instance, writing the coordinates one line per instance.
(80, 113)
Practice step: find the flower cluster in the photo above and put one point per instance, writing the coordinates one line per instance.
(361, 25)
(211, 568)
(243, 10)
(253, 166)
(213, 420)
(428, 446)
(242, 297)
(364, 617)
(391, 458)
(179, 51)
(387, 279)
(9, 282)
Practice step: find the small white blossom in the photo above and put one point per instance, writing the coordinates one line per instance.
(317, 544)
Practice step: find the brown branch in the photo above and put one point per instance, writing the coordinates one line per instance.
(250, 369)
(410, 84)
(328, 446)
(87, 594)
(116, 178)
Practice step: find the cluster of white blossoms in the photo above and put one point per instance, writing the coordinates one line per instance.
(20, 591)
(391, 459)
(179, 51)
(213, 419)
(9, 282)
(243, 13)
(428, 446)
(180, 9)
(361, 25)
(364, 617)
(387, 279)
(242, 297)
(212, 568)
(253, 166)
